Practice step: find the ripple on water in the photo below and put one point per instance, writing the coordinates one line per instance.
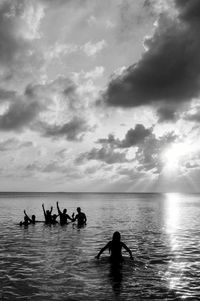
(57, 263)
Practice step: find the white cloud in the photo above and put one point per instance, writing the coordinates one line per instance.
(32, 15)
(60, 49)
(95, 73)
(91, 49)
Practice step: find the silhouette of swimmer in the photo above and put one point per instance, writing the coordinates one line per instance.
(32, 219)
(115, 248)
(80, 217)
(63, 216)
(25, 222)
(47, 215)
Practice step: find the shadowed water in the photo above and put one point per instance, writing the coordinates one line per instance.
(41, 262)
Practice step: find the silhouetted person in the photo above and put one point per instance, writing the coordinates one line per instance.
(32, 219)
(53, 219)
(47, 215)
(115, 248)
(63, 215)
(25, 222)
(80, 217)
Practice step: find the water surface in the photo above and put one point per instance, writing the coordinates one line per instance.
(41, 262)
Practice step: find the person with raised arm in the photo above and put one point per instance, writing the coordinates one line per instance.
(115, 248)
(26, 221)
(32, 219)
(47, 215)
(63, 215)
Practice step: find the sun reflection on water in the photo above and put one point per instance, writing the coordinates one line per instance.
(177, 265)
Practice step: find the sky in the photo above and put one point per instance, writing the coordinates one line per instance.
(100, 96)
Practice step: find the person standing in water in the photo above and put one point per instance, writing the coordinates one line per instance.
(32, 219)
(80, 217)
(26, 221)
(115, 248)
(63, 216)
(47, 215)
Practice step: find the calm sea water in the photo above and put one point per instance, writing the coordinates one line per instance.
(41, 262)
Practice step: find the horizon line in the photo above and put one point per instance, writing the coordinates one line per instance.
(98, 192)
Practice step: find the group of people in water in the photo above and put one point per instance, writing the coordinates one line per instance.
(114, 246)
(51, 219)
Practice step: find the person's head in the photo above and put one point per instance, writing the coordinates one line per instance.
(65, 211)
(33, 217)
(54, 217)
(78, 209)
(48, 212)
(116, 236)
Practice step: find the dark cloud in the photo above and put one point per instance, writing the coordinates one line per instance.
(19, 115)
(24, 110)
(104, 154)
(167, 113)
(189, 10)
(72, 130)
(148, 152)
(169, 70)
(132, 138)
(135, 136)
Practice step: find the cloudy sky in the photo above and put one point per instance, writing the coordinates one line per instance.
(100, 95)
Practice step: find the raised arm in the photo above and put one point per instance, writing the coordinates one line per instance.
(44, 210)
(127, 249)
(30, 220)
(58, 208)
(51, 209)
(103, 249)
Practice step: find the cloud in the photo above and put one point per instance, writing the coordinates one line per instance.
(6, 95)
(167, 113)
(133, 137)
(149, 153)
(169, 70)
(104, 154)
(19, 24)
(52, 109)
(91, 49)
(14, 144)
(73, 130)
(19, 115)
(148, 147)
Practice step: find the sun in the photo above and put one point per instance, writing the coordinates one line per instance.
(173, 157)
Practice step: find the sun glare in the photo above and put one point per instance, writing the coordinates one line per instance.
(173, 156)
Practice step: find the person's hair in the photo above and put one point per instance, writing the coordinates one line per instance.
(116, 236)
(33, 217)
(78, 209)
(64, 210)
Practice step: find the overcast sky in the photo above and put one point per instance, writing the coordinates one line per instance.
(100, 95)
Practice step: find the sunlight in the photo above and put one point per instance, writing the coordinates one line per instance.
(172, 156)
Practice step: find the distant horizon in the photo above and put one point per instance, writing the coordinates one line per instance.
(95, 192)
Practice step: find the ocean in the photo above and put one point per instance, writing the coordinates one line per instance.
(42, 262)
